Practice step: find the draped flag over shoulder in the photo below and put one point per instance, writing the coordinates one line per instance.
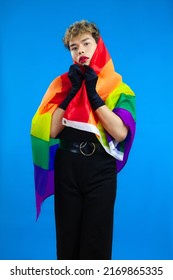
(117, 96)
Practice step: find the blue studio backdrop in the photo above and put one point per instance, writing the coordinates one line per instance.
(139, 37)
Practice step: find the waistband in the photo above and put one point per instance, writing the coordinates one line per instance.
(85, 148)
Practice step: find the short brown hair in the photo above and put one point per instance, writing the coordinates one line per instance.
(78, 28)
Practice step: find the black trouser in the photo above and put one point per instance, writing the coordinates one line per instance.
(85, 190)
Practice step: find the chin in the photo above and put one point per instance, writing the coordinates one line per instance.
(86, 63)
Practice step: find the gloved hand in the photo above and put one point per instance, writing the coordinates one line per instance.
(76, 77)
(90, 82)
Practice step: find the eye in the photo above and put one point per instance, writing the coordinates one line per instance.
(86, 43)
(73, 49)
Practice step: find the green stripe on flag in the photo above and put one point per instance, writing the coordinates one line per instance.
(40, 150)
(122, 97)
(127, 102)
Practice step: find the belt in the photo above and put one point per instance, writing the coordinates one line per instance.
(85, 148)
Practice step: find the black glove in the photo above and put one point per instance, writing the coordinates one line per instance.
(76, 77)
(90, 82)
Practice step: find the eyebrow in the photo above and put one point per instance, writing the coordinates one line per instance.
(74, 44)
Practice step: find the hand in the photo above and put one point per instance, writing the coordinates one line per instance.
(90, 82)
(76, 77)
(90, 78)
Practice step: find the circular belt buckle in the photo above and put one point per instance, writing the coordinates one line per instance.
(83, 144)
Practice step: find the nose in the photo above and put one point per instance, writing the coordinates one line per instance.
(80, 50)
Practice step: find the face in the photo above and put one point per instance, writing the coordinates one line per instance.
(82, 48)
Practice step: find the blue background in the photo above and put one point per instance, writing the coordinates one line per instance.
(139, 37)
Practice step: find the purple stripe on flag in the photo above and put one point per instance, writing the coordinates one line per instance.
(44, 185)
(128, 120)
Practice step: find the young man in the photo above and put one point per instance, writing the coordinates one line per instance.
(90, 114)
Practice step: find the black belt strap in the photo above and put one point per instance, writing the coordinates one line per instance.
(86, 148)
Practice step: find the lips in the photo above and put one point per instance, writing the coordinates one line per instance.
(83, 59)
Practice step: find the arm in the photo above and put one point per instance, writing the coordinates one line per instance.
(56, 124)
(75, 76)
(112, 123)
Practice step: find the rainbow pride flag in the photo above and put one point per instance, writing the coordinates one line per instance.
(117, 95)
